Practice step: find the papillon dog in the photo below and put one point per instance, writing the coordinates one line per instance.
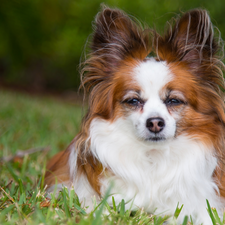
(155, 123)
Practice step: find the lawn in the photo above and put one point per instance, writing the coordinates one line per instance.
(41, 126)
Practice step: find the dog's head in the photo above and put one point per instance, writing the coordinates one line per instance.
(175, 91)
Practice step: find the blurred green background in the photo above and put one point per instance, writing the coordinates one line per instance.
(41, 41)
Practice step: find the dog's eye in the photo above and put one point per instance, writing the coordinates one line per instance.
(133, 101)
(173, 101)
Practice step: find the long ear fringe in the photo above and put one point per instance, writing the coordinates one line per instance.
(116, 36)
(191, 40)
(192, 31)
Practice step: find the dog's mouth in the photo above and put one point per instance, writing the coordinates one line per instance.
(156, 139)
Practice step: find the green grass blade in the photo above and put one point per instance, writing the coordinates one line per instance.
(178, 210)
(24, 165)
(71, 197)
(15, 177)
(216, 216)
(210, 212)
(97, 220)
(43, 176)
(80, 209)
(22, 199)
(66, 206)
(185, 220)
(21, 186)
(122, 208)
(160, 220)
(7, 210)
(114, 204)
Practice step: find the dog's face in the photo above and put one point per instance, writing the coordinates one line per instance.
(149, 106)
(151, 100)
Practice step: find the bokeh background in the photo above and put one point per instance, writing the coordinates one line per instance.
(41, 41)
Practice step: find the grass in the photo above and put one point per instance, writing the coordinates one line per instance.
(33, 122)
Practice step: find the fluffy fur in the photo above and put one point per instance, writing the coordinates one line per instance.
(155, 125)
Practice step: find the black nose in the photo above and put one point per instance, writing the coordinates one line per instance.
(155, 124)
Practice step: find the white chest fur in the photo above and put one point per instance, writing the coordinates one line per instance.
(155, 176)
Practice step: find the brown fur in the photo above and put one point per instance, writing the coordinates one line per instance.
(57, 170)
(92, 170)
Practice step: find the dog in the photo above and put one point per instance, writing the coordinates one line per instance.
(155, 120)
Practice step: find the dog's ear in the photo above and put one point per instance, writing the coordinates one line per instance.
(116, 37)
(190, 40)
